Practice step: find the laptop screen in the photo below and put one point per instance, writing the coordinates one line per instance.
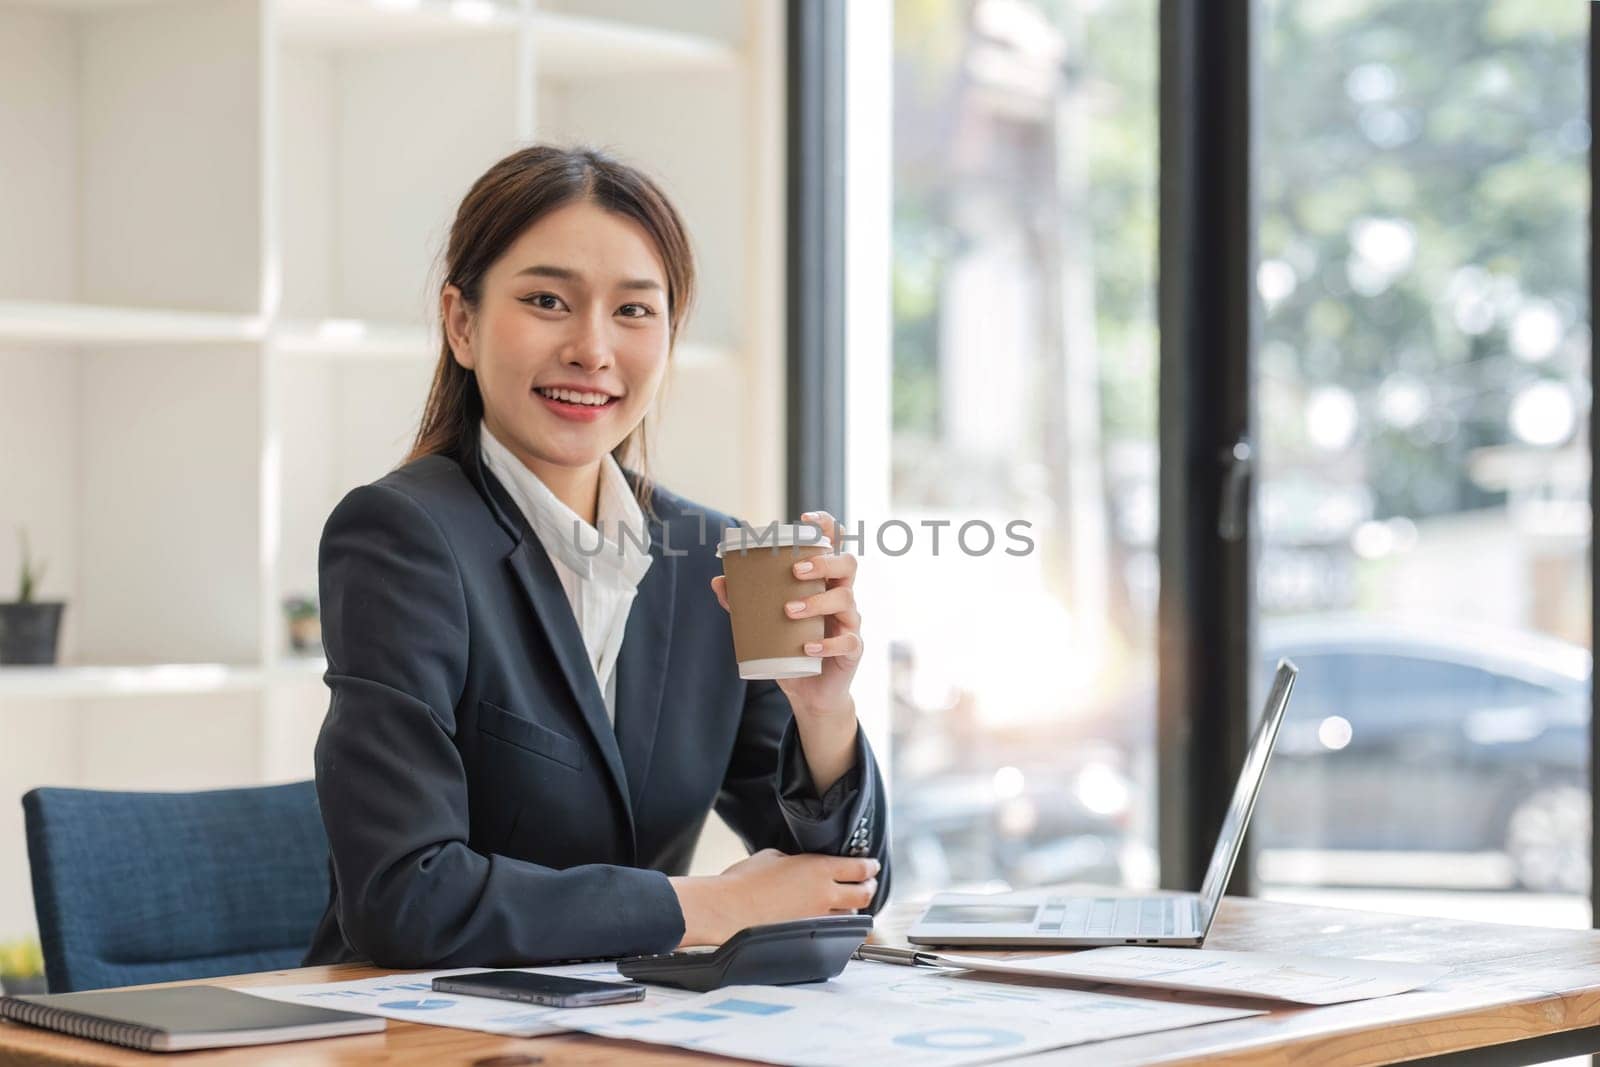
(1244, 793)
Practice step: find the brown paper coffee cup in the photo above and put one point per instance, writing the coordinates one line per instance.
(759, 564)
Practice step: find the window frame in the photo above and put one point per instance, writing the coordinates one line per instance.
(1207, 321)
(815, 317)
(1594, 505)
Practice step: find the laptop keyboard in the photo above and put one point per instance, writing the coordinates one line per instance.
(1110, 917)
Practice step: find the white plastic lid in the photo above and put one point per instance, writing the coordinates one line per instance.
(745, 537)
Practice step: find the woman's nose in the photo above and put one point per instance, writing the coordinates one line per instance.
(591, 349)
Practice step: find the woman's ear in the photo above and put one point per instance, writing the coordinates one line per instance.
(457, 317)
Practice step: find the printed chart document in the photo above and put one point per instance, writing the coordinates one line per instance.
(411, 997)
(888, 1016)
(1295, 978)
(1091, 1016)
(877, 1013)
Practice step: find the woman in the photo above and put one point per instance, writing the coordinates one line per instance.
(525, 734)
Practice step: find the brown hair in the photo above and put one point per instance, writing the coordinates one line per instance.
(511, 196)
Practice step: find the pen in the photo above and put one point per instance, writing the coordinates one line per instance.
(909, 957)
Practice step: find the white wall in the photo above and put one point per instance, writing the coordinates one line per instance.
(168, 532)
(39, 423)
(170, 145)
(39, 210)
(415, 127)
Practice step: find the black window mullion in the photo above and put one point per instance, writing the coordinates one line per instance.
(816, 243)
(1205, 646)
(1594, 510)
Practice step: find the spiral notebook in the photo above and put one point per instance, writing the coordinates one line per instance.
(178, 1018)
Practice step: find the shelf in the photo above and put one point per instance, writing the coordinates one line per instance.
(293, 668)
(17, 683)
(353, 339)
(88, 5)
(66, 324)
(378, 23)
(565, 46)
(693, 356)
(571, 46)
(25, 682)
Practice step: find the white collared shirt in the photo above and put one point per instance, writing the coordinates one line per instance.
(600, 585)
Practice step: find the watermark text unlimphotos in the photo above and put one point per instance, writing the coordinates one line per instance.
(895, 537)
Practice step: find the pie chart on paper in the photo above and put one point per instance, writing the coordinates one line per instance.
(425, 1004)
(958, 1038)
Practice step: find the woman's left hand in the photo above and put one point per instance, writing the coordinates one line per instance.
(826, 694)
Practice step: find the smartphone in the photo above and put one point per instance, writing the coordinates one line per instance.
(554, 990)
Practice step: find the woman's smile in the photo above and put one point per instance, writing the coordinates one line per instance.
(577, 405)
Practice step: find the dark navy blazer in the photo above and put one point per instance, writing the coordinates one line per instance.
(480, 808)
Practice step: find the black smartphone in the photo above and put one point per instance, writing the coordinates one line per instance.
(554, 990)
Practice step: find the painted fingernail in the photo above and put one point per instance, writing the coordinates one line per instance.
(803, 568)
(813, 648)
(795, 607)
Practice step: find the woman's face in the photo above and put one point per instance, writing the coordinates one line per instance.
(569, 340)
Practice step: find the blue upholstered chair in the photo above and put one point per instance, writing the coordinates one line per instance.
(159, 887)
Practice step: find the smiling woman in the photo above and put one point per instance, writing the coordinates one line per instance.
(526, 736)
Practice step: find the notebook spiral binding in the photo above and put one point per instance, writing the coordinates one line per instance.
(62, 1021)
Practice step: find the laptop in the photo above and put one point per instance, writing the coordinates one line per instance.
(1041, 919)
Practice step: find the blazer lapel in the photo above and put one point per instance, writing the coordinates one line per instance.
(642, 663)
(535, 575)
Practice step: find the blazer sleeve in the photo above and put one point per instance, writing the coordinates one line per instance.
(392, 785)
(770, 801)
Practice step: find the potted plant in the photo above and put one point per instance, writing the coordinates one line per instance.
(305, 624)
(28, 627)
(21, 968)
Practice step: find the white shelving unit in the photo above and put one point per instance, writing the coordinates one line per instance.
(66, 325)
(217, 297)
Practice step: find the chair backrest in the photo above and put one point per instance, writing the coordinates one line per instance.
(157, 887)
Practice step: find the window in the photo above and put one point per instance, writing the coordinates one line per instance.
(1023, 392)
(1424, 384)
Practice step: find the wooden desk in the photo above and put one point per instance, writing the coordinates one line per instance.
(1535, 993)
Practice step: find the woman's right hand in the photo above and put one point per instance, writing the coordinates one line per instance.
(770, 887)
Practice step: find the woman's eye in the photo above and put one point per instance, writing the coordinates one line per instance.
(544, 301)
(635, 311)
